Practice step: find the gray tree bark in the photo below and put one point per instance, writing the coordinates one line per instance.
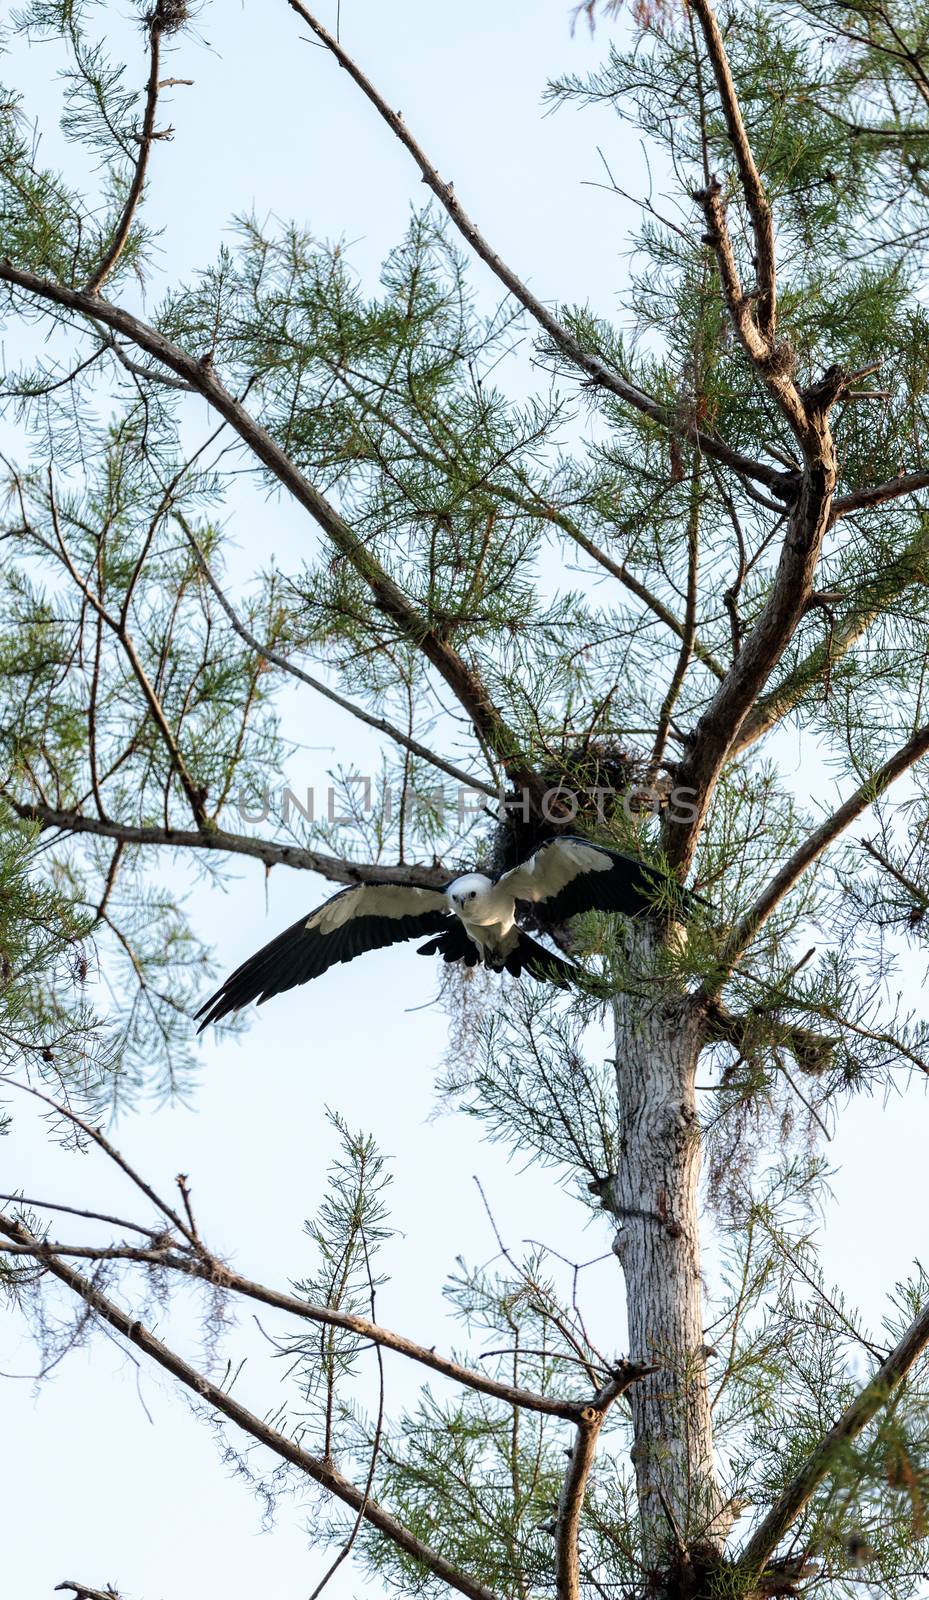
(653, 1197)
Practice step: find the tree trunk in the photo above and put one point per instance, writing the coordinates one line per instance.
(654, 1200)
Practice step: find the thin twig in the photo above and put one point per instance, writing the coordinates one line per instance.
(99, 1138)
(147, 137)
(288, 666)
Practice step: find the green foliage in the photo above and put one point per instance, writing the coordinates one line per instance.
(347, 1234)
(48, 1026)
(134, 712)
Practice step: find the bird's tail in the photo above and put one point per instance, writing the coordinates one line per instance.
(532, 957)
(452, 944)
(527, 955)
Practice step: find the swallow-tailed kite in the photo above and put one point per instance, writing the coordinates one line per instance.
(473, 918)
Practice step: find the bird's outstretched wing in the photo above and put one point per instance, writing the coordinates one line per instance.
(568, 875)
(354, 921)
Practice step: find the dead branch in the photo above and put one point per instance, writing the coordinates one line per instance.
(200, 1264)
(338, 869)
(574, 1486)
(98, 1137)
(81, 1591)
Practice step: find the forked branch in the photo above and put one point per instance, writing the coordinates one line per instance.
(574, 1487)
(186, 1253)
(194, 1263)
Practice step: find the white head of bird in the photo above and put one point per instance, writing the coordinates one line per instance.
(475, 898)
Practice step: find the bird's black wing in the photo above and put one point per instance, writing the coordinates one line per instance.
(356, 920)
(567, 875)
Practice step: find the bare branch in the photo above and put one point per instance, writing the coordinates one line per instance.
(598, 371)
(321, 1472)
(199, 1263)
(98, 1137)
(274, 656)
(752, 188)
(338, 869)
(821, 1460)
(81, 1591)
(150, 374)
(79, 1211)
(861, 499)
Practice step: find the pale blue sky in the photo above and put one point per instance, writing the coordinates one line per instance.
(91, 1489)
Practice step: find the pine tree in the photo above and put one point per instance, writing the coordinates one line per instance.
(749, 483)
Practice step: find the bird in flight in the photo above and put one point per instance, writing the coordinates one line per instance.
(474, 918)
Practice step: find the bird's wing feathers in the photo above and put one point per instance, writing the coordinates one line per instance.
(356, 920)
(569, 875)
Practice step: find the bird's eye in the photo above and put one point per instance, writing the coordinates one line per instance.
(472, 894)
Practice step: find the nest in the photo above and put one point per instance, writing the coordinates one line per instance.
(169, 16)
(587, 788)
